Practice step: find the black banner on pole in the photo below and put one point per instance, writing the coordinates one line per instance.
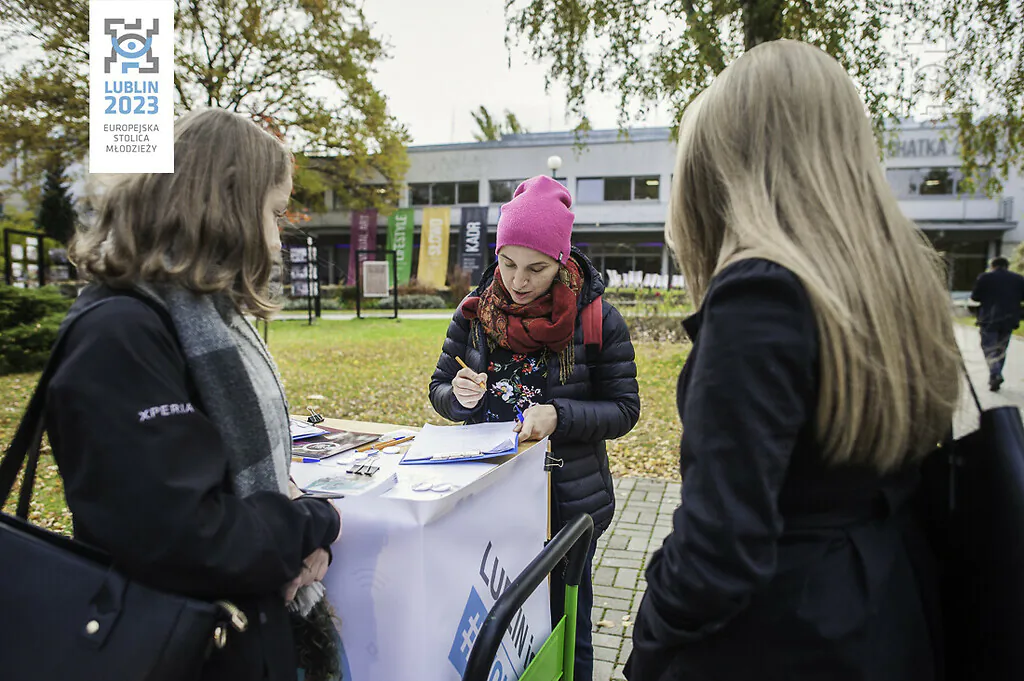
(473, 242)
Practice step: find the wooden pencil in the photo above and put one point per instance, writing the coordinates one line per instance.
(463, 364)
(390, 442)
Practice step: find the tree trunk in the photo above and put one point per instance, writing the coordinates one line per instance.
(762, 21)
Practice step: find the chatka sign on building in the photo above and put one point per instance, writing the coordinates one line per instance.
(924, 147)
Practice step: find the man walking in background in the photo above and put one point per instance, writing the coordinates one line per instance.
(999, 292)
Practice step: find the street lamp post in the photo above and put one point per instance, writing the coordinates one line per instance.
(554, 163)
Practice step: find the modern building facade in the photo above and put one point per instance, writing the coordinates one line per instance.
(620, 186)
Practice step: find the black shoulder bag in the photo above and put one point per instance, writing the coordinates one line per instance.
(973, 494)
(66, 612)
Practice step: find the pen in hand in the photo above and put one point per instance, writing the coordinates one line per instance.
(463, 365)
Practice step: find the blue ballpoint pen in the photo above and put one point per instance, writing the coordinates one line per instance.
(519, 414)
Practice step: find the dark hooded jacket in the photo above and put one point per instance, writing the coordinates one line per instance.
(599, 401)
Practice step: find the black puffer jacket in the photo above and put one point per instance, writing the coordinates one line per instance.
(600, 400)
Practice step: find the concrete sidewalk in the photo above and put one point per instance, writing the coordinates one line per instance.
(292, 315)
(644, 507)
(1012, 391)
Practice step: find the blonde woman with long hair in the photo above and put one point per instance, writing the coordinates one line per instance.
(823, 370)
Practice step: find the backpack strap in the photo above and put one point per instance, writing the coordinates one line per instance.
(593, 320)
(593, 329)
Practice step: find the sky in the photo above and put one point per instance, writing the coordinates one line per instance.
(449, 58)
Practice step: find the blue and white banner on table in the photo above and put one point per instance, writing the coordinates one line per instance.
(131, 86)
(415, 574)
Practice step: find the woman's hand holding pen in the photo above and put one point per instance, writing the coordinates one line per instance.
(469, 387)
(538, 422)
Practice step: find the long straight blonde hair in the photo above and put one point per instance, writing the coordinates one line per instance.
(777, 160)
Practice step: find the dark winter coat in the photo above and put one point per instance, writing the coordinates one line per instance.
(1000, 293)
(156, 495)
(600, 400)
(779, 567)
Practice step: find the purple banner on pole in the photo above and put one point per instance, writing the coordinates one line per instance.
(364, 237)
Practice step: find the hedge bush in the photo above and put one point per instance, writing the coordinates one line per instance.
(414, 302)
(27, 305)
(656, 328)
(648, 301)
(29, 320)
(301, 304)
(26, 347)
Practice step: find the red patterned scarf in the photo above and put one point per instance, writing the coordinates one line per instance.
(546, 323)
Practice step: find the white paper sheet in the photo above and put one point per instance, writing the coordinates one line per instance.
(481, 438)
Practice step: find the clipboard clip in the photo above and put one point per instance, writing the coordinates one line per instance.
(551, 463)
(314, 417)
(363, 468)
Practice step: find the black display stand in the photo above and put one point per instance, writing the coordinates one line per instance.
(40, 258)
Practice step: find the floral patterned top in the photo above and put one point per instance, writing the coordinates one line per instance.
(514, 381)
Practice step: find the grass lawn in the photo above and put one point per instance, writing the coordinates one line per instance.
(379, 370)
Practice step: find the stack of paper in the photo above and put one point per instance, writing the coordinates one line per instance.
(444, 444)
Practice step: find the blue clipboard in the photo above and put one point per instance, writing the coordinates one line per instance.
(506, 448)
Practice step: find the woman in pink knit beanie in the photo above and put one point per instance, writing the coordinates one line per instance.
(537, 334)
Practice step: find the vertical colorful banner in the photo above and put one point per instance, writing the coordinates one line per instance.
(400, 230)
(364, 237)
(433, 266)
(473, 242)
(131, 86)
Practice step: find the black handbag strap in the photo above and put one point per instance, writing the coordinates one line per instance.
(970, 385)
(27, 440)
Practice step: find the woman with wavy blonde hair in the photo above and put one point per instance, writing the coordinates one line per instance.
(823, 370)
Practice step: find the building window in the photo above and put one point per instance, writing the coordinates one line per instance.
(912, 182)
(467, 192)
(646, 188)
(978, 190)
(598, 189)
(442, 194)
(590, 190)
(419, 194)
(618, 188)
(904, 181)
(938, 181)
(502, 190)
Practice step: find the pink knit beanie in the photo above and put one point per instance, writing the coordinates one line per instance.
(538, 217)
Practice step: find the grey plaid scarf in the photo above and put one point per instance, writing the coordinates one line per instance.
(239, 388)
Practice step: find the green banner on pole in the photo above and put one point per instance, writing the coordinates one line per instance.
(400, 230)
